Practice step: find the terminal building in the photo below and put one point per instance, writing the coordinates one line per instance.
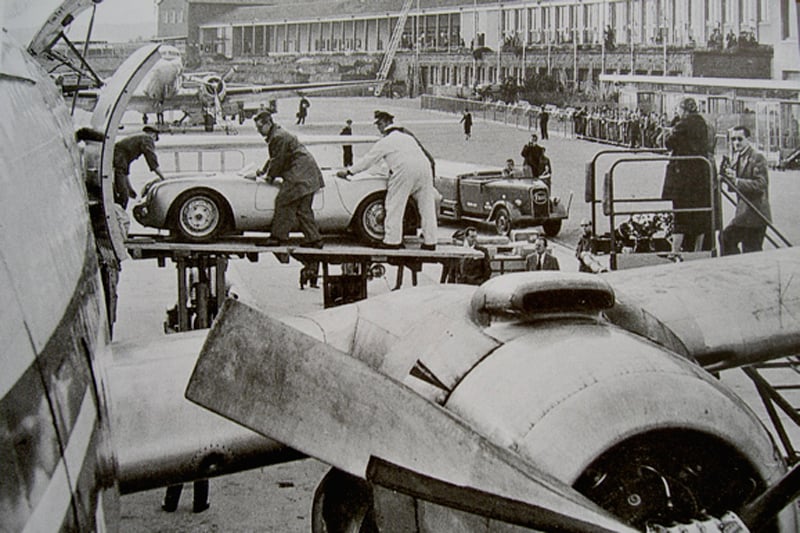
(450, 46)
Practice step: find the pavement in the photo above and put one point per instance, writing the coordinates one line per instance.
(278, 498)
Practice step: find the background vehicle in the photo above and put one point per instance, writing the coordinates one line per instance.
(507, 202)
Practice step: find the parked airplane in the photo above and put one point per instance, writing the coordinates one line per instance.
(74, 432)
(208, 98)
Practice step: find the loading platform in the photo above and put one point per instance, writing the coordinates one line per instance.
(201, 268)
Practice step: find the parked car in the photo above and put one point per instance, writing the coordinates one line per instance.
(198, 206)
(491, 197)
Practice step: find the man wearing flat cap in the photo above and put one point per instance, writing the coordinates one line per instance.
(126, 152)
(291, 161)
(411, 170)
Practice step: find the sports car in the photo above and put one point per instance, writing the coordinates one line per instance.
(202, 206)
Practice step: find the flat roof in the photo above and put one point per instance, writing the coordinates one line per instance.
(732, 83)
(299, 11)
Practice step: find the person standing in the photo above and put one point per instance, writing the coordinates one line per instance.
(586, 250)
(748, 172)
(126, 152)
(544, 118)
(347, 149)
(411, 170)
(533, 154)
(687, 182)
(302, 110)
(541, 259)
(466, 119)
(291, 161)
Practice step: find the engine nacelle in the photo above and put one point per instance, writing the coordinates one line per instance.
(213, 88)
(644, 432)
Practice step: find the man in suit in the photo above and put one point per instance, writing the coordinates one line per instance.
(474, 271)
(541, 259)
(748, 173)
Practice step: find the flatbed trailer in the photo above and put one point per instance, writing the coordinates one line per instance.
(211, 262)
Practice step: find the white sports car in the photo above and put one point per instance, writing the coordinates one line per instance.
(202, 206)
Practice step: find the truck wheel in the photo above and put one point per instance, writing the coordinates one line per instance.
(551, 227)
(502, 221)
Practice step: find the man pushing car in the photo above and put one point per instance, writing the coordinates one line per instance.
(291, 161)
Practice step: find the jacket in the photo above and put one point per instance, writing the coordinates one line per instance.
(752, 181)
(689, 178)
(290, 160)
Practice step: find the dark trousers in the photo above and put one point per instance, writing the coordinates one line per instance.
(122, 188)
(347, 155)
(292, 214)
(751, 239)
(199, 498)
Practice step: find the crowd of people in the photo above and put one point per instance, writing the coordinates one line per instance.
(632, 128)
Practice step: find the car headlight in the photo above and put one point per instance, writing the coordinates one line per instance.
(518, 202)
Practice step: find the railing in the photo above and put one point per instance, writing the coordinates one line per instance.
(199, 160)
(522, 116)
(610, 200)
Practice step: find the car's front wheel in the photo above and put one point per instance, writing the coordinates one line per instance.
(502, 221)
(199, 216)
(368, 223)
(551, 227)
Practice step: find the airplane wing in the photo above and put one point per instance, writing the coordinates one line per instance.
(526, 393)
(728, 312)
(289, 89)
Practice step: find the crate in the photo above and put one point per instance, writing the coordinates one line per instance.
(344, 289)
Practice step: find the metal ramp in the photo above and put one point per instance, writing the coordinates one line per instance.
(388, 58)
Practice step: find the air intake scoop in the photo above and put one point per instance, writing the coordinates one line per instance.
(538, 293)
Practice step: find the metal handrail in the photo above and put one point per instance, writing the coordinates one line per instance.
(608, 197)
(731, 185)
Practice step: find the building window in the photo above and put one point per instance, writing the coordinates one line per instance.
(785, 21)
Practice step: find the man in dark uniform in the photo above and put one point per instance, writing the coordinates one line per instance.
(347, 149)
(687, 182)
(292, 162)
(126, 152)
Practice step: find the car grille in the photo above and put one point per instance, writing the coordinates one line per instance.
(539, 203)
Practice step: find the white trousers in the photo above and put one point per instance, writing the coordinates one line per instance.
(401, 186)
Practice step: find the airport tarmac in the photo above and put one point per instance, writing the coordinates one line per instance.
(279, 498)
